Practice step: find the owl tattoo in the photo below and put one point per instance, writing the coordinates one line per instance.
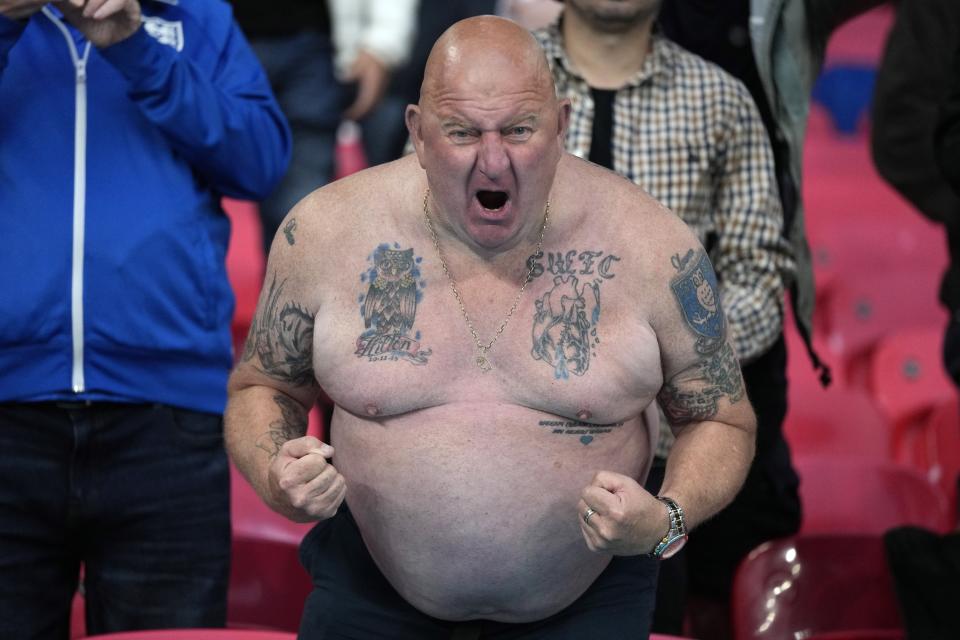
(391, 301)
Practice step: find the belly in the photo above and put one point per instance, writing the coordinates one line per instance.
(470, 510)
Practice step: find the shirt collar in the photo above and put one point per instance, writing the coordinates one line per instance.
(658, 63)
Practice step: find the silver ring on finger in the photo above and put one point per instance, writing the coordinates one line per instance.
(588, 514)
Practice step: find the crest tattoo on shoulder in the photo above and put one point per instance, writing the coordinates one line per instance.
(695, 288)
(718, 376)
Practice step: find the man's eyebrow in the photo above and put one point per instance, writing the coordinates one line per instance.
(530, 118)
(455, 123)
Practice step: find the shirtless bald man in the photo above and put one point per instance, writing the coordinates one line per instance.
(491, 316)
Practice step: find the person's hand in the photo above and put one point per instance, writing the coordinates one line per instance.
(20, 9)
(627, 519)
(303, 483)
(372, 79)
(103, 22)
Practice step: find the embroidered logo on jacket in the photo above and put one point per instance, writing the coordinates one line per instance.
(166, 32)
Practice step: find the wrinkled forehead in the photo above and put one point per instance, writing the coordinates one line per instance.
(489, 80)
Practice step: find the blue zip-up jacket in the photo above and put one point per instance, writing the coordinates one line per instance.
(113, 283)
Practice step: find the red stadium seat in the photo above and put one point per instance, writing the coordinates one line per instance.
(862, 311)
(268, 585)
(807, 584)
(934, 448)
(836, 420)
(197, 634)
(245, 264)
(908, 379)
(254, 519)
(839, 251)
(843, 494)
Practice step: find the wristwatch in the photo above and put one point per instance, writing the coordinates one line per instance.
(676, 536)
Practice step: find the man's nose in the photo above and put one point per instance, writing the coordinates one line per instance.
(493, 161)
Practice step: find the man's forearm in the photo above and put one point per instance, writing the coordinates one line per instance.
(707, 466)
(257, 423)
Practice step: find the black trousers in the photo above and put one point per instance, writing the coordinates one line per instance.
(353, 600)
(138, 493)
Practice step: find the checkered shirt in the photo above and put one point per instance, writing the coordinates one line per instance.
(690, 135)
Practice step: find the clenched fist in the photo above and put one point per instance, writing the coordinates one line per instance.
(303, 485)
(624, 518)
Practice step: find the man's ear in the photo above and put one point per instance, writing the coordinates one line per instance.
(414, 120)
(563, 120)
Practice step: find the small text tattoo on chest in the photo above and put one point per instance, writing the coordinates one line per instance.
(585, 431)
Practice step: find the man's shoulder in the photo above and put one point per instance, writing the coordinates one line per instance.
(617, 204)
(696, 71)
(359, 202)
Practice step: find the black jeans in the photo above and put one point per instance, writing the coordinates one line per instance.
(138, 493)
(352, 599)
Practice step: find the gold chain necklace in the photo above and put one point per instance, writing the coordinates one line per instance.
(481, 360)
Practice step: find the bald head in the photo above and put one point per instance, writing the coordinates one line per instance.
(481, 50)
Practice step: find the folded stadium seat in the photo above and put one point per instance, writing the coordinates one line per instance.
(806, 584)
(843, 494)
(268, 585)
(934, 448)
(908, 381)
(863, 310)
(835, 420)
(840, 252)
(197, 634)
(245, 265)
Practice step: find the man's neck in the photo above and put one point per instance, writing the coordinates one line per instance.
(605, 60)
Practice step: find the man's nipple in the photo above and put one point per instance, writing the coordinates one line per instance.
(583, 415)
(372, 410)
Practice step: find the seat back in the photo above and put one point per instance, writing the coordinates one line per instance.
(795, 587)
(843, 494)
(268, 585)
(934, 448)
(836, 420)
(861, 311)
(908, 379)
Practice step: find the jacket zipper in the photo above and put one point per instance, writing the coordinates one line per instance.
(79, 200)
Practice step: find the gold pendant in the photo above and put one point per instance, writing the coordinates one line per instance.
(483, 363)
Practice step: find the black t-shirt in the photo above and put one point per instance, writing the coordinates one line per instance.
(279, 18)
(601, 136)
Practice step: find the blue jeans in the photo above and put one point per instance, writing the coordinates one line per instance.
(300, 70)
(137, 493)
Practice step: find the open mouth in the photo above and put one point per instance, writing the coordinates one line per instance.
(492, 200)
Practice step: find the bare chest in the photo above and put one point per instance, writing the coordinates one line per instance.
(395, 339)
